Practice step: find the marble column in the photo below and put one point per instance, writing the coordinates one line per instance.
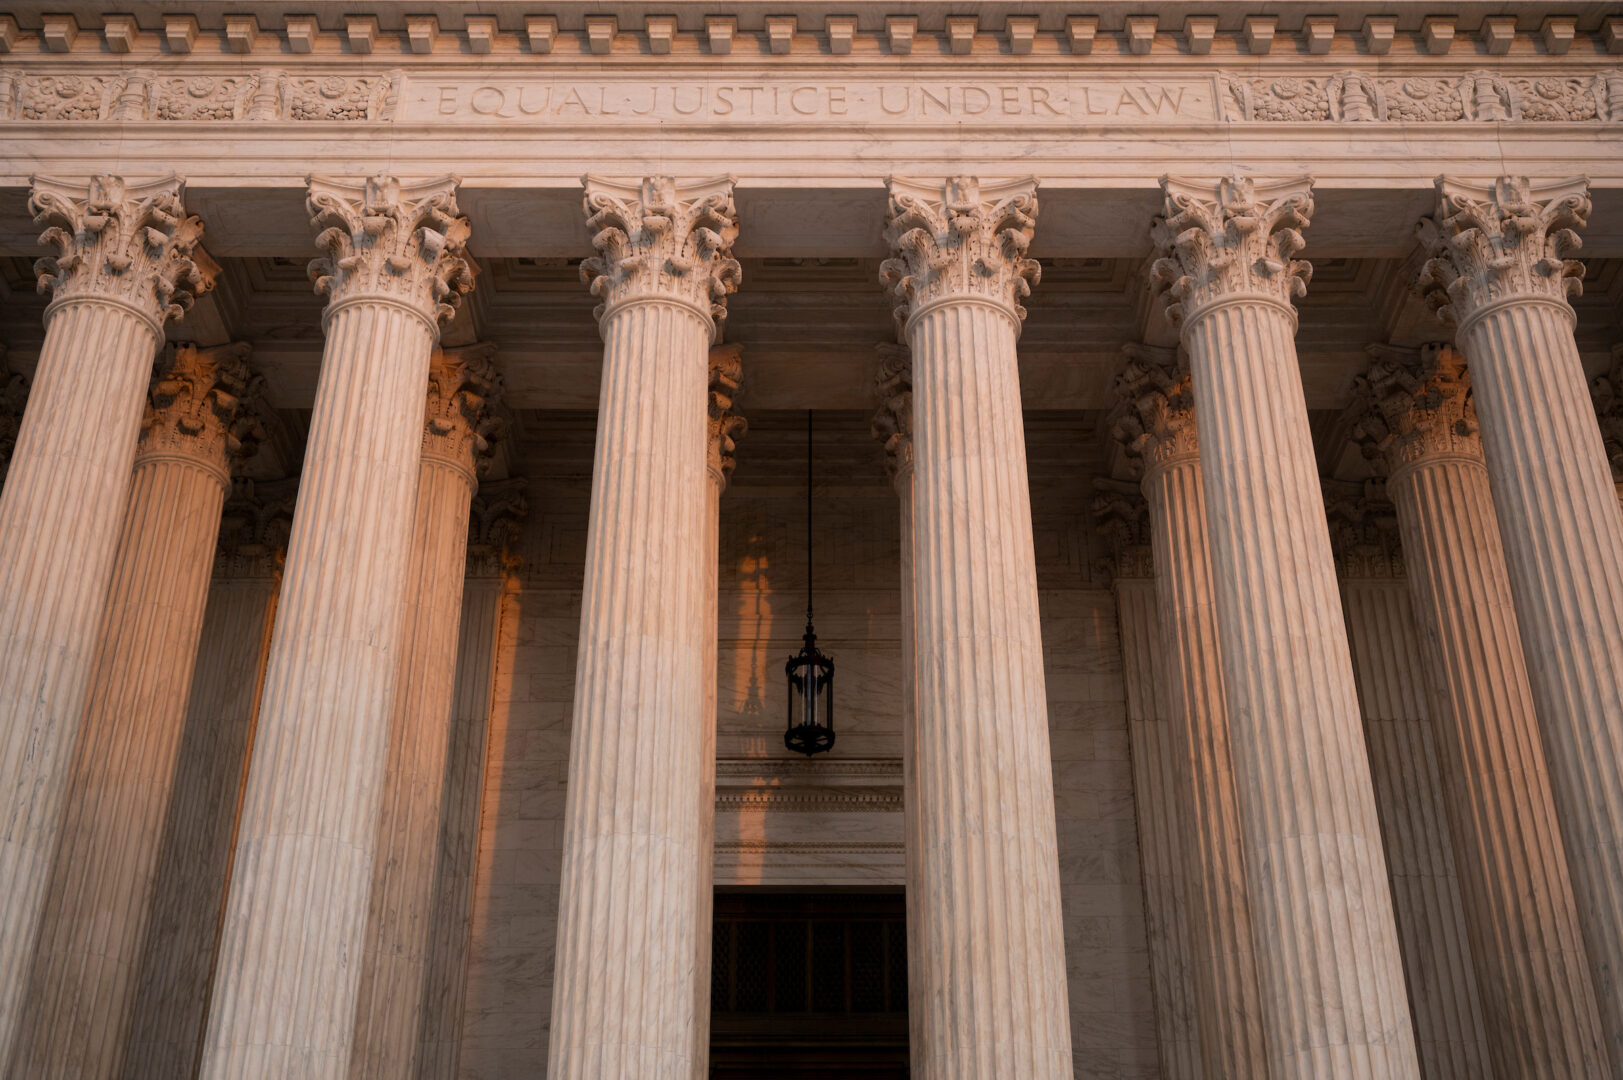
(1499, 271)
(295, 921)
(627, 940)
(1607, 392)
(989, 901)
(1333, 1002)
(893, 427)
(177, 965)
(458, 427)
(497, 514)
(1420, 427)
(86, 965)
(127, 263)
(1158, 431)
(1123, 522)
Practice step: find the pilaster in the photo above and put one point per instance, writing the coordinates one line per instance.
(284, 994)
(989, 903)
(1332, 979)
(628, 909)
(127, 261)
(1499, 269)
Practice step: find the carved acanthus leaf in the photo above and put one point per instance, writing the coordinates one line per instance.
(460, 425)
(1414, 404)
(495, 523)
(385, 239)
(1122, 519)
(1234, 237)
(128, 242)
(1607, 392)
(893, 422)
(960, 238)
(1363, 530)
(202, 406)
(255, 526)
(1510, 238)
(662, 240)
(727, 426)
(1156, 421)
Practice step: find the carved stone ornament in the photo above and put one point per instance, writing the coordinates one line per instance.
(386, 240)
(1607, 392)
(1156, 421)
(459, 427)
(726, 425)
(13, 399)
(1414, 404)
(254, 528)
(1233, 238)
(893, 423)
(959, 240)
(1510, 238)
(1122, 519)
(660, 240)
(495, 523)
(200, 408)
(1363, 531)
(132, 243)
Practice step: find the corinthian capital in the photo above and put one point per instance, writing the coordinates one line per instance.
(201, 408)
(893, 423)
(254, 528)
(1363, 530)
(660, 240)
(1508, 239)
(495, 522)
(128, 243)
(1123, 520)
(960, 239)
(1156, 425)
(1415, 404)
(458, 425)
(1607, 392)
(726, 425)
(1234, 237)
(385, 240)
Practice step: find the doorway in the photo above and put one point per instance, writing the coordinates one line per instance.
(808, 984)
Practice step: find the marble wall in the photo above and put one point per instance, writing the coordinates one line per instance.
(780, 821)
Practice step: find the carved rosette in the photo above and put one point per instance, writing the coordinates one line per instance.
(893, 422)
(127, 243)
(1231, 239)
(1122, 519)
(391, 242)
(13, 399)
(495, 523)
(1363, 531)
(960, 240)
(254, 528)
(1502, 241)
(199, 409)
(1156, 424)
(459, 428)
(660, 240)
(1607, 392)
(1414, 405)
(726, 426)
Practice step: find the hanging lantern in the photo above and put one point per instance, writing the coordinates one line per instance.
(811, 674)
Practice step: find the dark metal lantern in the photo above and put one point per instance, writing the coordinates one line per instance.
(811, 674)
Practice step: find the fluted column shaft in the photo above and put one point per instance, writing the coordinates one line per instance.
(623, 996)
(125, 269)
(390, 999)
(1331, 975)
(295, 923)
(86, 967)
(1160, 835)
(1528, 949)
(990, 896)
(1228, 1003)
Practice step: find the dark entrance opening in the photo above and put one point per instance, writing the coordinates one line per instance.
(808, 984)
